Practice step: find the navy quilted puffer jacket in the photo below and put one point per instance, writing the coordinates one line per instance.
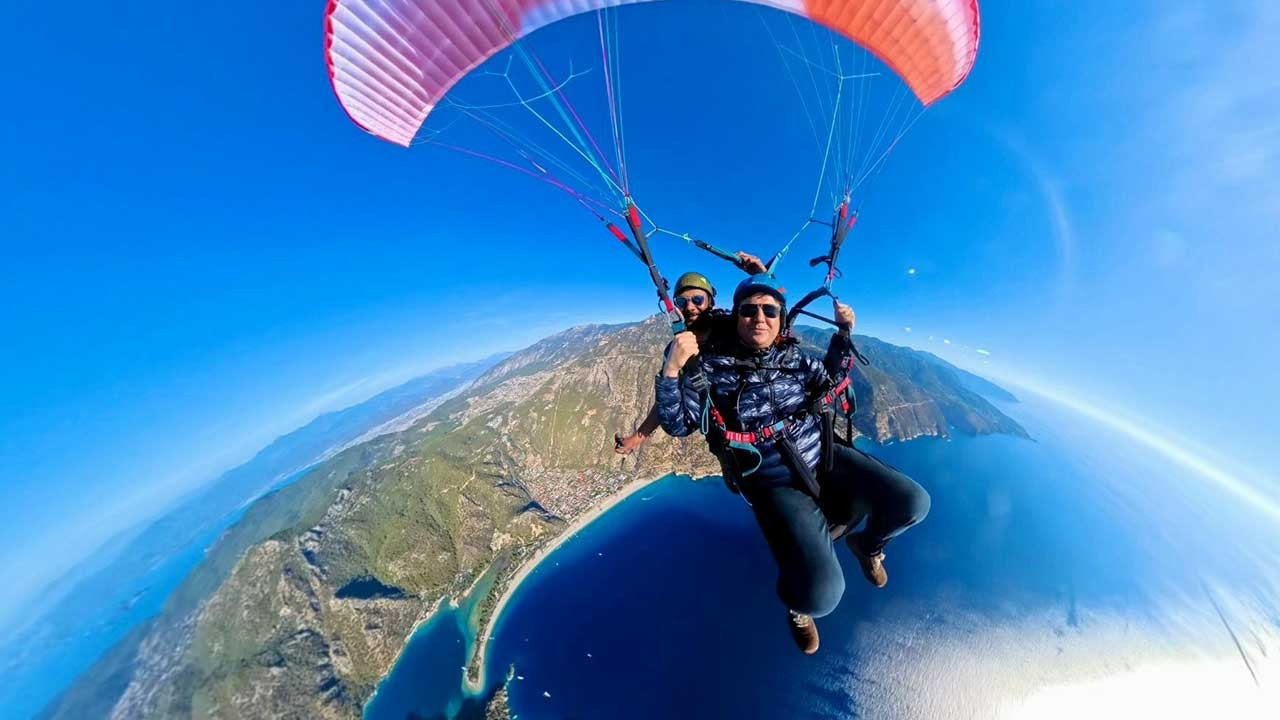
(753, 389)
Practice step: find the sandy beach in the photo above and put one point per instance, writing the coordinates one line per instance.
(527, 568)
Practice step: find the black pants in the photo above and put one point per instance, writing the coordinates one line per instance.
(796, 525)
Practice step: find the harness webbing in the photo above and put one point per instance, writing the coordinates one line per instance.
(838, 396)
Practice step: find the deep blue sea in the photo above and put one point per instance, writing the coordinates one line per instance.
(665, 606)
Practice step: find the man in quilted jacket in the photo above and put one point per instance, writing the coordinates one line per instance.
(761, 421)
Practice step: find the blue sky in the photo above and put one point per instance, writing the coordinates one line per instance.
(201, 252)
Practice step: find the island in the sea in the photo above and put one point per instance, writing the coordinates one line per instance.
(304, 605)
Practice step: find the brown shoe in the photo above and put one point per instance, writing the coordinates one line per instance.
(872, 565)
(804, 631)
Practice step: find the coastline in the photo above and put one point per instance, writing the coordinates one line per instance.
(435, 607)
(475, 685)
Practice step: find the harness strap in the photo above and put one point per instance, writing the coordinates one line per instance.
(748, 447)
(837, 393)
(828, 445)
(824, 407)
(791, 453)
(759, 436)
(836, 397)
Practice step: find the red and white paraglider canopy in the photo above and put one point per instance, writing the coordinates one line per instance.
(392, 61)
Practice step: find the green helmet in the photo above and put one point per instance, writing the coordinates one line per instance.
(695, 280)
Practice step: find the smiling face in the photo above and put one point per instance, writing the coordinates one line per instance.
(755, 328)
(692, 303)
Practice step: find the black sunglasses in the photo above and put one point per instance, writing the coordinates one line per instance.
(696, 301)
(748, 310)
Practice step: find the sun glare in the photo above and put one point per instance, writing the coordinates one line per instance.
(1192, 690)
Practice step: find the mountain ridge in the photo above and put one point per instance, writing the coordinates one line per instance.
(134, 568)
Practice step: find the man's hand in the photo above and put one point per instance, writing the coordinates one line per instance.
(844, 316)
(684, 347)
(751, 264)
(627, 445)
